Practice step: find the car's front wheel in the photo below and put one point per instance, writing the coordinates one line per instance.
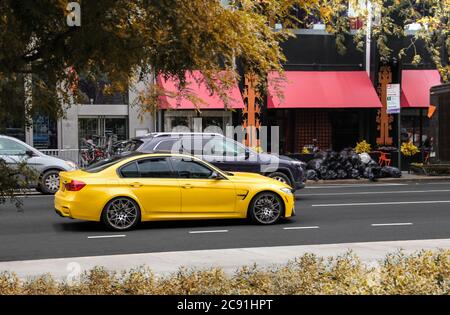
(121, 214)
(266, 208)
(49, 183)
(280, 177)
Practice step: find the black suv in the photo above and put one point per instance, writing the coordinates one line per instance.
(225, 153)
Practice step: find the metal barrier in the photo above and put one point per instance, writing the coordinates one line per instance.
(65, 154)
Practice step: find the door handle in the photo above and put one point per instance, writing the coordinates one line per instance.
(136, 184)
(187, 186)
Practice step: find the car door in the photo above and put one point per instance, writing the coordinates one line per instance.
(154, 183)
(229, 155)
(13, 152)
(199, 192)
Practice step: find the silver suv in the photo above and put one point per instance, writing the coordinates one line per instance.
(14, 151)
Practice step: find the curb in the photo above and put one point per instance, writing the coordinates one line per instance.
(381, 180)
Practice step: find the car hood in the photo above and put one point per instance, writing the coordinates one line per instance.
(254, 178)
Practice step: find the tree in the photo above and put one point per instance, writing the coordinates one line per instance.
(391, 19)
(128, 40)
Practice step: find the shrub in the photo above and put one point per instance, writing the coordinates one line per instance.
(409, 149)
(424, 272)
(363, 147)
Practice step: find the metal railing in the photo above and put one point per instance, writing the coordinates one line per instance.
(65, 154)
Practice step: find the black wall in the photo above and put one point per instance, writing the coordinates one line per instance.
(313, 51)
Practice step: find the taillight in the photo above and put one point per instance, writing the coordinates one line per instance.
(74, 185)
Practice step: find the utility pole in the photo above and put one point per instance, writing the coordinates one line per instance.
(368, 35)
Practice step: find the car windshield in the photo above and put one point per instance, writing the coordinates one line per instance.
(104, 164)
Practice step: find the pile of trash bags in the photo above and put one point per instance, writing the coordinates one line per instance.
(347, 164)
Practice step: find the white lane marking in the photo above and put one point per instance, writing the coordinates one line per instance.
(377, 192)
(300, 227)
(352, 185)
(380, 203)
(106, 236)
(391, 224)
(210, 231)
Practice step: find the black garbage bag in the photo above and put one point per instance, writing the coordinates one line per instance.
(341, 174)
(355, 174)
(311, 175)
(330, 175)
(389, 171)
(314, 164)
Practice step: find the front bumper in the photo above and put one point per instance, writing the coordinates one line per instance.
(299, 185)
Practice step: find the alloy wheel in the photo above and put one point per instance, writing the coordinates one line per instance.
(280, 179)
(121, 213)
(267, 208)
(52, 182)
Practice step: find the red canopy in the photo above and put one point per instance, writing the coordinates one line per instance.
(201, 91)
(323, 89)
(416, 86)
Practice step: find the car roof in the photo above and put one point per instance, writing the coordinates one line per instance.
(153, 135)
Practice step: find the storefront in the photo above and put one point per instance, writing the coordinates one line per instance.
(415, 101)
(327, 109)
(183, 114)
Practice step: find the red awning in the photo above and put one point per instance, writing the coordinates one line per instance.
(201, 91)
(323, 89)
(416, 86)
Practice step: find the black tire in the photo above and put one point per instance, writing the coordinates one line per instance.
(120, 224)
(260, 210)
(280, 177)
(49, 182)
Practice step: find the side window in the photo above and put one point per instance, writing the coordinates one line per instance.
(213, 147)
(155, 168)
(130, 171)
(188, 168)
(168, 145)
(11, 147)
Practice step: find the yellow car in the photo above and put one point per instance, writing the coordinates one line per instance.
(121, 192)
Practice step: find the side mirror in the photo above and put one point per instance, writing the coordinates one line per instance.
(29, 153)
(215, 175)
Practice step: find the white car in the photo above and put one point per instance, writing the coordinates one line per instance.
(14, 151)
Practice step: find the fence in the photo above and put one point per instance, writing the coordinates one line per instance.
(65, 154)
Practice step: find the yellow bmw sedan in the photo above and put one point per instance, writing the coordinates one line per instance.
(123, 191)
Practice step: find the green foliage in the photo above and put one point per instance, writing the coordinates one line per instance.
(14, 181)
(390, 19)
(424, 272)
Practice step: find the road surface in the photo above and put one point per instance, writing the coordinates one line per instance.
(326, 214)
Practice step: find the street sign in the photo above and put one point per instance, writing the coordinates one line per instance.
(393, 98)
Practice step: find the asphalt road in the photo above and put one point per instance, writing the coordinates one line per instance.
(325, 215)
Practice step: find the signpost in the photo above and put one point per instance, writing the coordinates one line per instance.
(393, 107)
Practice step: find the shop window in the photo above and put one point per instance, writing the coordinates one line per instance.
(93, 93)
(45, 132)
(99, 130)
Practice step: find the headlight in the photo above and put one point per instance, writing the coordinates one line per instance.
(71, 164)
(299, 163)
(286, 190)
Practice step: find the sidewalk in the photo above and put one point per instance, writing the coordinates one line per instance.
(406, 178)
(230, 260)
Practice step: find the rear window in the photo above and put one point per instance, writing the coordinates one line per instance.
(104, 164)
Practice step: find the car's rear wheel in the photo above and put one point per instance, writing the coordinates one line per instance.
(266, 208)
(49, 183)
(281, 178)
(121, 214)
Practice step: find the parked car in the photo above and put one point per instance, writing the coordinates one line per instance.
(224, 153)
(125, 190)
(14, 151)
